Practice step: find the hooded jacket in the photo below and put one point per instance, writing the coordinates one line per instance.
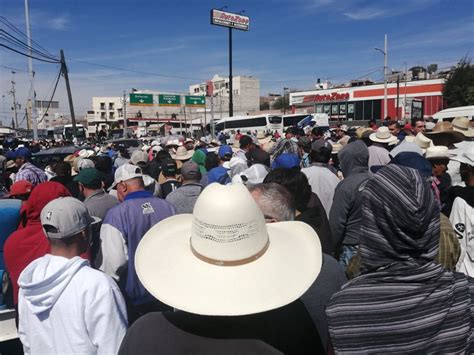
(29, 243)
(346, 210)
(67, 307)
(184, 198)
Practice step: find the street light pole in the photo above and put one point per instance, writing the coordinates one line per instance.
(284, 100)
(384, 52)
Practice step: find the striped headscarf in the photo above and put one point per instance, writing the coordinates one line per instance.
(404, 302)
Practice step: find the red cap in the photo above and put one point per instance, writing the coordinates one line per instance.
(21, 187)
(408, 126)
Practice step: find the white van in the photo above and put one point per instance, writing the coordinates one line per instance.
(450, 113)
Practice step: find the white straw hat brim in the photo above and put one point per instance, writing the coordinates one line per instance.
(373, 137)
(188, 155)
(169, 270)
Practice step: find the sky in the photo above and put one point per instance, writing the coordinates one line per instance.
(168, 45)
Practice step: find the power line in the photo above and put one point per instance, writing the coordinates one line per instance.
(16, 42)
(30, 56)
(52, 96)
(14, 69)
(136, 71)
(17, 30)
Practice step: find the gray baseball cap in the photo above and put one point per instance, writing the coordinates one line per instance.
(65, 217)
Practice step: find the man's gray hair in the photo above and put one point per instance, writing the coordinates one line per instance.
(275, 201)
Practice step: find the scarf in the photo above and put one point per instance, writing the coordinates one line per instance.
(404, 302)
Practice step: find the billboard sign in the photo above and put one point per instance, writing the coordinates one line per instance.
(229, 19)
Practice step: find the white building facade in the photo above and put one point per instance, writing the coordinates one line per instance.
(106, 112)
(246, 94)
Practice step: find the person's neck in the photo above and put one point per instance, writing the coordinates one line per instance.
(187, 182)
(67, 253)
(470, 182)
(90, 192)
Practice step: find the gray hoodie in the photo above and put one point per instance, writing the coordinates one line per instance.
(346, 210)
(184, 197)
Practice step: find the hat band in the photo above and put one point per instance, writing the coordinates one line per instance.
(230, 262)
(461, 128)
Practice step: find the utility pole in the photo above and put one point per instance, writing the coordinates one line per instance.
(69, 95)
(384, 52)
(213, 128)
(385, 80)
(15, 105)
(124, 114)
(185, 123)
(231, 92)
(32, 95)
(398, 93)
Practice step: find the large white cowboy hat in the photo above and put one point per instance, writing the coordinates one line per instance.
(223, 259)
(182, 154)
(463, 125)
(438, 152)
(262, 138)
(382, 135)
(421, 141)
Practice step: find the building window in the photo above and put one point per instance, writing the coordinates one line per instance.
(111, 105)
(102, 115)
(120, 112)
(102, 105)
(236, 92)
(111, 115)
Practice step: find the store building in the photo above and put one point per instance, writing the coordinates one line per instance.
(421, 98)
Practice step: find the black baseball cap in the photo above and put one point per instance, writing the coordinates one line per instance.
(168, 167)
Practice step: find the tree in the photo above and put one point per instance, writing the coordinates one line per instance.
(459, 87)
(264, 106)
(279, 104)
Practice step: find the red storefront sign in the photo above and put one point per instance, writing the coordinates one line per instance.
(335, 96)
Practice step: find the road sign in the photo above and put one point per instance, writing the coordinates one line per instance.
(169, 100)
(195, 101)
(229, 19)
(141, 99)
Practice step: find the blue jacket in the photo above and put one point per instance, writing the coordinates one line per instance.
(123, 228)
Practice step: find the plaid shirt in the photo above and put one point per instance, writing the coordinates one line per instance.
(284, 146)
(31, 173)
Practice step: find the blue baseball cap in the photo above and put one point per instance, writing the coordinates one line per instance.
(225, 150)
(286, 161)
(23, 152)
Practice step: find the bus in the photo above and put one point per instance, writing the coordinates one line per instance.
(303, 119)
(451, 113)
(251, 123)
(66, 132)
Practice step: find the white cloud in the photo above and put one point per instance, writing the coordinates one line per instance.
(60, 23)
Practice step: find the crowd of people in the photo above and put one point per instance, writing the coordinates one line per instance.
(346, 241)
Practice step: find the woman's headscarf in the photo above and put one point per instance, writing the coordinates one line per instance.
(404, 302)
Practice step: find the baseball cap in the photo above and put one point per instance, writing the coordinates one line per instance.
(89, 177)
(169, 167)
(225, 150)
(286, 161)
(21, 187)
(126, 172)
(139, 157)
(65, 217)
(23, 152)
(190, 171)
(321, 143)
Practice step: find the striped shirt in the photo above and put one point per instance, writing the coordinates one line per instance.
(31, 173)
(404, 302)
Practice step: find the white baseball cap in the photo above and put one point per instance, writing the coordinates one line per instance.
(126, 172)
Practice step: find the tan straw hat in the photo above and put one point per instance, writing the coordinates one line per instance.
(382, 135)
(463, 125)
(182, 154)
(224, 260)
(438, 152)
(445, 129)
